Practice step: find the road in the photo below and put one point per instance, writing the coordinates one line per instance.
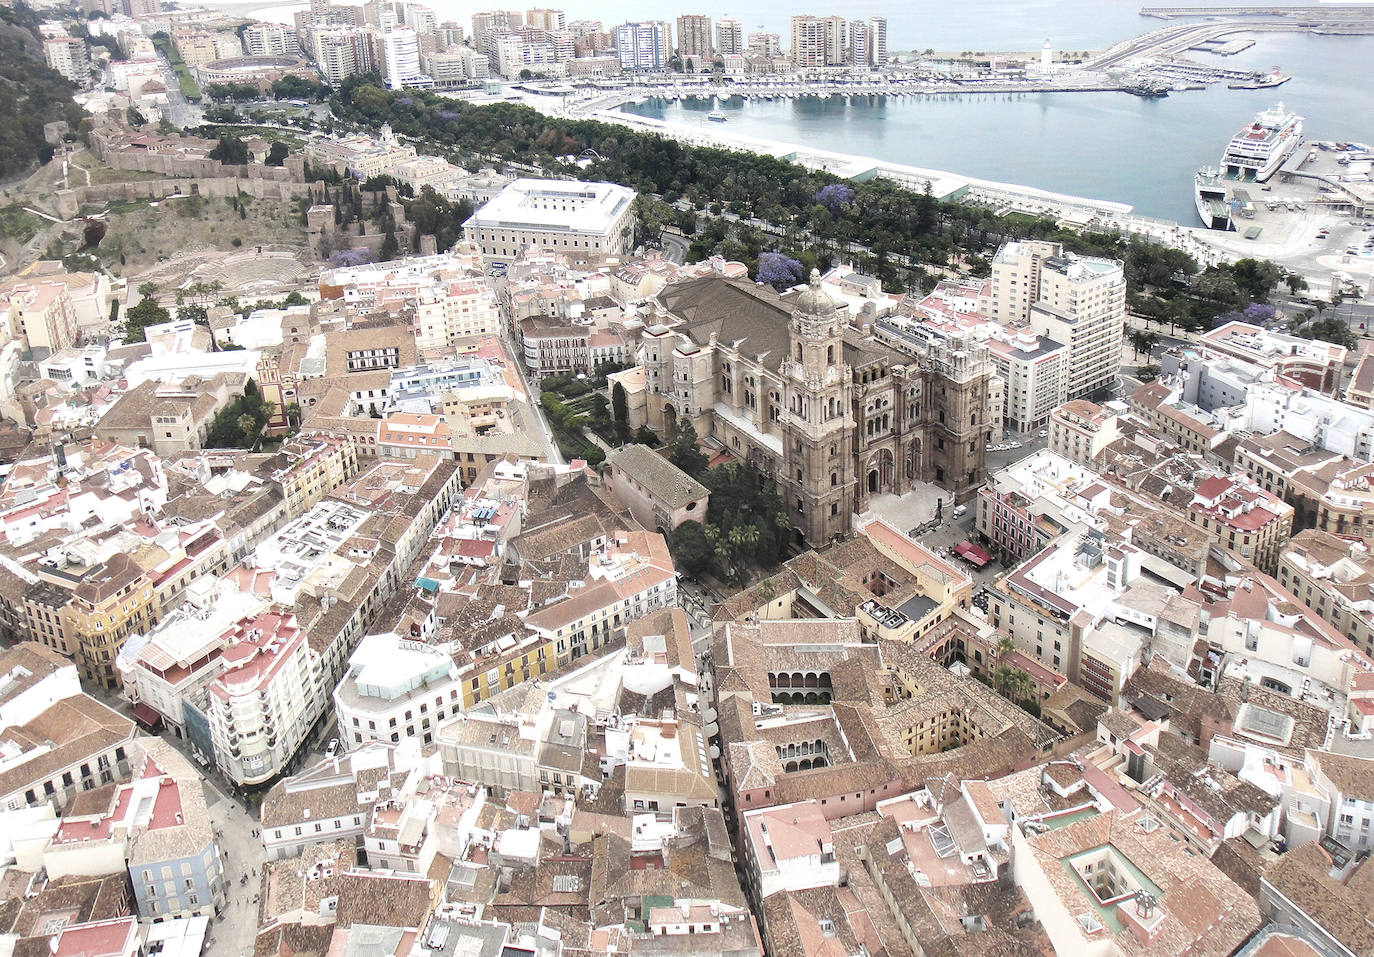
(517, 355)
(234, 928)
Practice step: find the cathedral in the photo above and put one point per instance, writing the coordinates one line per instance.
(830, 413)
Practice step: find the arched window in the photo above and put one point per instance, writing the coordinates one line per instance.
(799, 359)
(830, 355)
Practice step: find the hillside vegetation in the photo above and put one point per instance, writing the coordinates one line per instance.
(30, 94)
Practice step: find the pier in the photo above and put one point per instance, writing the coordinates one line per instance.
(1174, 40)
(1311, 14)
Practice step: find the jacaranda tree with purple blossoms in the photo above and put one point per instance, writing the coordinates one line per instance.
(833, 196)
(779, 271)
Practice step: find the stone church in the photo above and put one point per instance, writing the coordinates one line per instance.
(833, 415)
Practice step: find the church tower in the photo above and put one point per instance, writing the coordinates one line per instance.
(817, 481)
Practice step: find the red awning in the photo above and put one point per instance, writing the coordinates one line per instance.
(146, 716)
(972, 554)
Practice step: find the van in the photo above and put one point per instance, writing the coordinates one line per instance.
(960, 511)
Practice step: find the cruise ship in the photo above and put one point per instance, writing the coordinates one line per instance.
(1258, 150)
(1213, 205)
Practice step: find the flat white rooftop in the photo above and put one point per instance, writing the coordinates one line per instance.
(555, 205)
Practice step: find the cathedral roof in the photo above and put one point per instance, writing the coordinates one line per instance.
(734, 310)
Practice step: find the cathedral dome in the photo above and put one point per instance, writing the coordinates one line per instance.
(814, 301)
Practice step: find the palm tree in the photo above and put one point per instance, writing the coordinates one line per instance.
(1020, 686)
(766, 590)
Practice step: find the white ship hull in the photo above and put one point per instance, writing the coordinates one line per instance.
(1211, 200)
(1256, 152)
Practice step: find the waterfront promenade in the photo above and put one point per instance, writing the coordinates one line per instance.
(1077, 211)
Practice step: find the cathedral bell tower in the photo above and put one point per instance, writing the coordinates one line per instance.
(817, 479)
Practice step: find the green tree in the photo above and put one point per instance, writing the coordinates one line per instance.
(683, 451)
(276, 156)
(1142, 341)
(620, 412)
(230, 150)
(645, 436)
(389, 246)
(692, 552)
(1256, 278)
(1295, 283)
(138, 318)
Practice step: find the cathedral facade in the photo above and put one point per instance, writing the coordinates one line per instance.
(830, 413)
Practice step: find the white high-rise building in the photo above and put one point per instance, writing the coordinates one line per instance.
(270, 39)
(859, 53)
(808, 41)
(548, 20)
(1077, 300)
(877, 41)
(67, 55)
(834, 40)
(818, 41)
(868, 42)
(644, 45)
(729, 36)
(401, 49)
(341, 52)
(423, 20)
(265, 699)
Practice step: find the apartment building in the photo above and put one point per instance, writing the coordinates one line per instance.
(87, 613)
(1034, 371)
(68, 56)
(41, 314)
(817, 41)
(1080, 430)
(694, 35)
(58, 741)
(1249, 521)
(1077, 301)
(729, 36)
(448, 313)
(265, 699)
(630, 577)
(396, 688)
(644, 45)
(270, 39)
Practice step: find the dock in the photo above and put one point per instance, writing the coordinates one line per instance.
(1307, 13)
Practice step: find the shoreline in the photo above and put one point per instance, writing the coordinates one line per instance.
(1076, 211)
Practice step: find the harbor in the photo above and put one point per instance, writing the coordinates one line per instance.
(918, 122)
